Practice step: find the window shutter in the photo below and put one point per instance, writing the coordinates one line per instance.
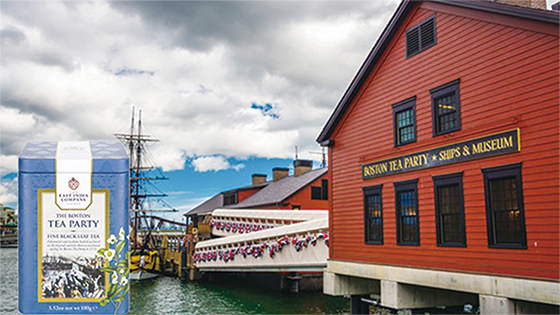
(412, 42)
(428, 33)
(421, 36)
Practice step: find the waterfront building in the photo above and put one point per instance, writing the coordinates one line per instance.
(8, 216)
(233, 214)
(444, 162)
(8, 226)
(305, 189)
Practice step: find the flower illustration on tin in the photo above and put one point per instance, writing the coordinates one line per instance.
(124, 281)
(121, 234)
(114, 278)
(112, 239)
(110, 254)
(117, 269)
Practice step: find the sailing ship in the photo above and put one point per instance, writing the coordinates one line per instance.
(145, 197)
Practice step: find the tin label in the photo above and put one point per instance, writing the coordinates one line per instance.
(73, 175)
(69, 240)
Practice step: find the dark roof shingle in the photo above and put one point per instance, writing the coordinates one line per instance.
(208, 206)
(276, 192)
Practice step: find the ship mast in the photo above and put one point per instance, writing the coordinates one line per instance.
(140, 180)
(135, 184)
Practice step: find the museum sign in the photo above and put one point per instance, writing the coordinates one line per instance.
(496, 144)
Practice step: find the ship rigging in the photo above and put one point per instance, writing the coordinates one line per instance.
(145, 199)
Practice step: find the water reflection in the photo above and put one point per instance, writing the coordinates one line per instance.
(172, 296)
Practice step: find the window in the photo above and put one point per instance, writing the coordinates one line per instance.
(296, 207)
(404, 121)
(230, 198)
(504, 206)
(446, 109)
(325, 187)
(373, 215)
(406, 199)
(320, 193)
(450, 212)
(421, 36)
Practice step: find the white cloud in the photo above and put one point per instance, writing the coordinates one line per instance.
(8, 191)
(169, 158)
(73, 70)
(8, 164)
(214, 163)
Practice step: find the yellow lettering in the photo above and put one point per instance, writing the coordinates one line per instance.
(449, 154)
(490, 145)
(396, 165)
(375, 169)
(487, 146)
(423, 159)
(383, 167)
(508, 144)
(416, 161)
(466, 149)
(476, 148)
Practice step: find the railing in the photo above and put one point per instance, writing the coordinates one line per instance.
(226, 222)
(301, 246)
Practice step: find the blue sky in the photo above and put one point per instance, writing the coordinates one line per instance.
(187, 188)
(229, 87)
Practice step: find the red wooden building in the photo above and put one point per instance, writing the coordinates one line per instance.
(305, 189)
(444, 161)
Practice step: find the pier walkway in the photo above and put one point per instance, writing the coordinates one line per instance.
(265, 241)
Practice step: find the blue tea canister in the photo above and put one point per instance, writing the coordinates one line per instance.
(73, 228)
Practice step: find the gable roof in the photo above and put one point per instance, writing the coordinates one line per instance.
(269, 193)
(208, 206)
(218, 200)
(277, 192)
(400, 15)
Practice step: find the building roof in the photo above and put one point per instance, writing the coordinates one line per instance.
(208, 206)
(218, 200)
(270, 193)
(277, 192)
(391, 30)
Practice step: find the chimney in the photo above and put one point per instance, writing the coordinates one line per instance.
(535, 4)
(279, 172)
(302, 166)
(258, 179)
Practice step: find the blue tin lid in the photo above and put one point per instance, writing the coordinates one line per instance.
(107, 157)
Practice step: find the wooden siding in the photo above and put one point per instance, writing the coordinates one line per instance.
(303, 198)
(509, 78)
(243, 194)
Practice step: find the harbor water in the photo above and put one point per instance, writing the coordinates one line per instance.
(172, 296)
